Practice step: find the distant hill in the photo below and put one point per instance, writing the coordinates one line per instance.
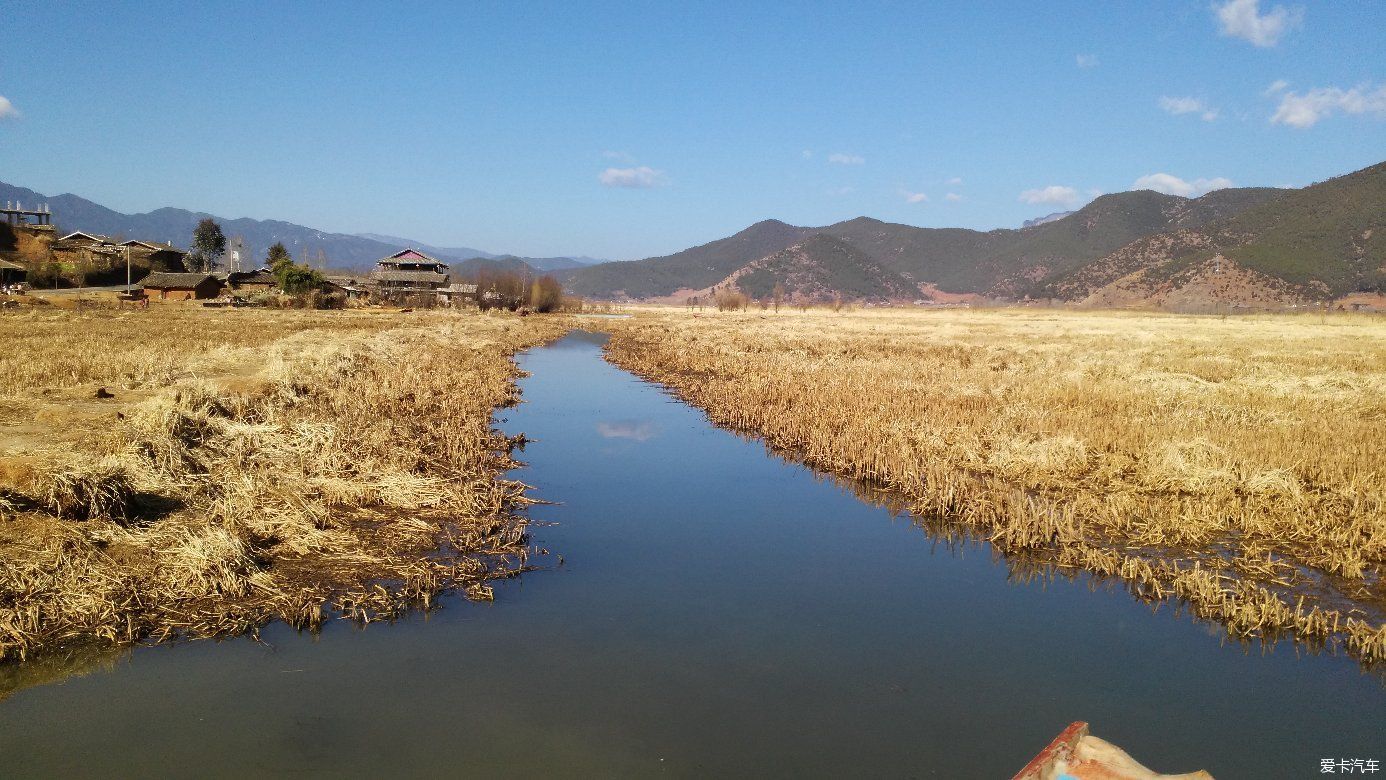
(692, 269)
(470, 268)
(436, 251)
(818, 268)
(1324, 241)
(1037, 221)
(1000, 263)
(343, 251)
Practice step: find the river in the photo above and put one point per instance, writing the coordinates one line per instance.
(717, 611)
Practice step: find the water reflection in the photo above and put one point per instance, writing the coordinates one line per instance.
(640, 431)
(58, 665)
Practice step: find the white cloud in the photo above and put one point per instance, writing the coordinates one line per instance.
(953, 196)
(1054, 193)
(1188, 105)
(1276, 87)
(624, 157)
(914, 197)
(1173, 185)
(955, 180)
(1243, 19)
(842, 190)
(842, 158)
(1306, 110)
(641, 177)
(807, 153)
(1087, 60)
(7, 109)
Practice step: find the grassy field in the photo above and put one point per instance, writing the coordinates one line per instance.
(191, 472)
(1233, 464)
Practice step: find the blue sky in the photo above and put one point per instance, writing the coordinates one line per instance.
(625, 130)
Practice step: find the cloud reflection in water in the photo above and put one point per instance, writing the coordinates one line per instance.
(635, 430)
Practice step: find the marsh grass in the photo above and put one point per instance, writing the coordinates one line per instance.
(252, 466)
(1235, 465)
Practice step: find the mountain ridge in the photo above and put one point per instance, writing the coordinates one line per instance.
(346, 251)
(1006, 263)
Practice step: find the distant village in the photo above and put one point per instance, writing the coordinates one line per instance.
(33, 258)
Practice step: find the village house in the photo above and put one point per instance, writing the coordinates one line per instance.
(457, 294)
(351, 287)
(159, 257)
(408, 273)
(88, 247)
(12, 274)
(252, 282)
(164, 286)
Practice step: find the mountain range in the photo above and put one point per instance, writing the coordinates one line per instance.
(1250, 246)
(1237, 245)
(345, 251)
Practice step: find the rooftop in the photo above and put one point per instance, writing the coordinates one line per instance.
(165, 280)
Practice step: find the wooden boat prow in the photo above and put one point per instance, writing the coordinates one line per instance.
(1077, 755)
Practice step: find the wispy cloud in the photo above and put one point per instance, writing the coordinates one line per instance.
(1276, 87)
(842, 158)
(807, 154)
(953, 196)
(1306, 110)
(627, 429)
(1054, 193)
(640, 177)
(1243, 19)
(7, 109)
(624, 157)
(1173, 185)
(1087, 60)
(1179, 106)
(914, 197)
(956, 180)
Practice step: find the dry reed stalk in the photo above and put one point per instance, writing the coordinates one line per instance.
(270, 465)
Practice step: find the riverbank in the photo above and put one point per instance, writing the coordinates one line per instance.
(1229, 464)
(184, 472)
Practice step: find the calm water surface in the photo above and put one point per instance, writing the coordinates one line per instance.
(719, 612)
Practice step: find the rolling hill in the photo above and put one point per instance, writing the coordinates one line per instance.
(818, 268)
(1320, 242)
(692, 269)
(1000, 263)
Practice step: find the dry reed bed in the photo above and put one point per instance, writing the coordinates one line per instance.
(1232, 464)
(252, 466)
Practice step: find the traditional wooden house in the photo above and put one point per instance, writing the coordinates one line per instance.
(407, 274)
(457, 294)
(159, 257)
(163, 286)
(351, 287)
(252, 282)
(12, 273)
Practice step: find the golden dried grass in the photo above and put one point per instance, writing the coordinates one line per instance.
(253, 466)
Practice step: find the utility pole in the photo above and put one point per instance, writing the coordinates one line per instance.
(128, 286)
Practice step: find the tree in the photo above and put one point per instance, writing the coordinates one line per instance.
(778, 296)
(277, 254)
(293, 278)
(546, 294)
(208, 245)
